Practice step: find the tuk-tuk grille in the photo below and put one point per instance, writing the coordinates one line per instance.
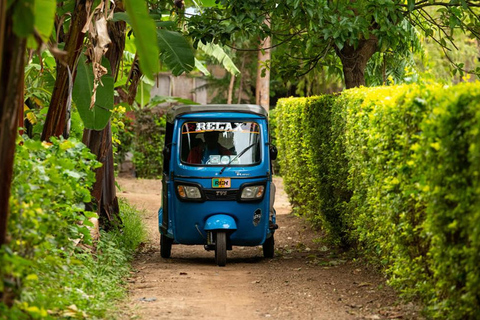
(221, 195)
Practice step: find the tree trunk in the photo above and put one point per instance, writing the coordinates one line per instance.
(262, 92)
(100, 142)
(3, 35)
(66, 71)
(104, 193)
(354, 61)
(230, 89)
(12, 66)
(240, 85)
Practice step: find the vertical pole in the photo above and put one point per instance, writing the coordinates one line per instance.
(262, 91)
(12, 61)
(21, 103)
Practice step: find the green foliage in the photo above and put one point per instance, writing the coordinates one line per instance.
(172, 48)
(285, 128)
(386, 208)
(217, 52)
(133, 232)
(148, 146)
(175, 51)
(122, 134)
(42, 268)
(390, 69)
(141, 133)
(436, 65)
(40, 78)
(272, 128)
(145, 36)
(312, 35)
(51, 184)
(307, 32)
(312, 162)
(44, 13)
(395, 171)
(143, 136)
(449, 157)
(94, 116)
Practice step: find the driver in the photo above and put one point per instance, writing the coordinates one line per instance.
(202, 152)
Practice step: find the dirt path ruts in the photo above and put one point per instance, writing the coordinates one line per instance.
(306, 280)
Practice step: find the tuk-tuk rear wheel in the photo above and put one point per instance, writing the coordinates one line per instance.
(269, 247)
(221, 248)
(165, 246)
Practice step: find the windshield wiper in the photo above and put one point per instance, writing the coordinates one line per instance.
(237, 156)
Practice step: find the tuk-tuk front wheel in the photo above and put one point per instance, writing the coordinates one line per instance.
(221, 248)
(165, 246)
(269, 247)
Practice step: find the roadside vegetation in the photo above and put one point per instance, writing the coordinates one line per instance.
(393, 173)
(53, 268)
(71, 71)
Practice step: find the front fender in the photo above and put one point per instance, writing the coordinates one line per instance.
(220, 222)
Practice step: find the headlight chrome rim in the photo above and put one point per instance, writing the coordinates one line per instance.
(252, 191)
(187, 191)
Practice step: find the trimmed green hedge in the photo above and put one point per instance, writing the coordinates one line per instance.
(314, 175)
(395, 172)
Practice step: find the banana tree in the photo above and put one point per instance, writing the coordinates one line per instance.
(16, 27)
(92, 39)
(94, 102)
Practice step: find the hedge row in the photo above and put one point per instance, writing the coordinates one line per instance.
(395, 172)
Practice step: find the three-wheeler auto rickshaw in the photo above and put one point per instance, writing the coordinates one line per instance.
(217, 186)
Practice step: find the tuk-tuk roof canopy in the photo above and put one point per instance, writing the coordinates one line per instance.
(185, 109)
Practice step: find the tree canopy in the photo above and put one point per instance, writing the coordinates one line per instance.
(311, 33)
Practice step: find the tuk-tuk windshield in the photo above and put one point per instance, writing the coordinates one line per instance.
(213, 143)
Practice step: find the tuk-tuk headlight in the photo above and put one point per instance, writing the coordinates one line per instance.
(189, 192)
(252, 192)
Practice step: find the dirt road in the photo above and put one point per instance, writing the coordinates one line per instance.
(305, 280)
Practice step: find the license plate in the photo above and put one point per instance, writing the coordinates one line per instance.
(221, 183)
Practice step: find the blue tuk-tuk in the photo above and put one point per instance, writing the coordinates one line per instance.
(217, 185)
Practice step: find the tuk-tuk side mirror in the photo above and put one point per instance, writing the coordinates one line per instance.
(166, 152)
(273, 152)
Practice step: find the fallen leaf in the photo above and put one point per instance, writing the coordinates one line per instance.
(147, 299)
(364, 284)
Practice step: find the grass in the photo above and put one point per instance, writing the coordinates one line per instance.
(86, 284)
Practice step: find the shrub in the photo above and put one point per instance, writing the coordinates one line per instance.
(291, 156)
(50, 188)
(148, 148)
(312, 161)
(45, 274)
(396, 171)
(386, 208)
(449, 159)
(122, 134)
(272, 123)
(148, 128)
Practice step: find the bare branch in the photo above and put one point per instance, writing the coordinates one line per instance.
(424, 30)
(457, 66)
(426, 16)
(271, 47)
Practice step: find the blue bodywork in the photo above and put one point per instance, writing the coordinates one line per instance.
(219, 222)
(187, 222)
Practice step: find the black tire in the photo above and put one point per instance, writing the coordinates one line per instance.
(165, 246)
(269, 247)
(221, 249)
